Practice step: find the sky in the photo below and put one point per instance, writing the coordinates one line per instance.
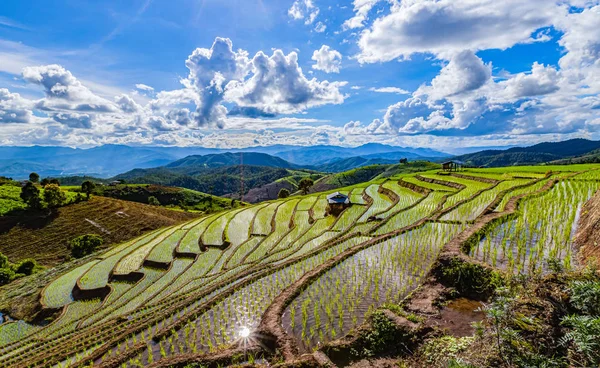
(442, 74)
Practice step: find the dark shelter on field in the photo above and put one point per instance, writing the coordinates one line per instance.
(452, 165)
(336, 203)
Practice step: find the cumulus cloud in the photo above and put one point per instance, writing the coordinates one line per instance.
(127, 104)
(395, 90)
(74, 120)
(14, 108)
(464, 73)
(327, 60)
(449, 26)
(541, 81)
(210, 71)
(64, 91)
(278, 85)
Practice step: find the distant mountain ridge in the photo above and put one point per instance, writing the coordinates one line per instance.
(109, 160)
(532, 155)
(231, 159)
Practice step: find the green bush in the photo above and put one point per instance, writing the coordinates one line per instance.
(6, 275)
(585, 296)
(153, 201)
(54, 196)
(85, 244)
(3, 261)
(26, 266)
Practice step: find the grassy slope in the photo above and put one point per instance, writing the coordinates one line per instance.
(10, 199)
(45, 238)
(366, 173)
(180, 198)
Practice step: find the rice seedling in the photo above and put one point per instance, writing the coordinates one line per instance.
(59, 292)
(542, 232)
(470, 210)
(133, 261)
(380, 202)
(383, 273)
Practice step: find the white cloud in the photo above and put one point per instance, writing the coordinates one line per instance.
(320, 27)
(14, 108)
(395, 90)
(464, 73)
(327, 60)
(448, 26)
(361, 12)
(277, 85)
(73, 120)
(143, 87)
(303, 9)
(541, 81)
(64, 91)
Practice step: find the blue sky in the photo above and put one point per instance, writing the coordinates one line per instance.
(444, 73)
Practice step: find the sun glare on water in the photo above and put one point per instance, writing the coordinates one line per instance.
(244, 332)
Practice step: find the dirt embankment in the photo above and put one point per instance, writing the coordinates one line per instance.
(587, 238)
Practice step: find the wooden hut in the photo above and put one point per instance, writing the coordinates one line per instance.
(336, 203)
(452, 165)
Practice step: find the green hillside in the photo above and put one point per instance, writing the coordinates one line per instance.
(533, 155)
(283, 279)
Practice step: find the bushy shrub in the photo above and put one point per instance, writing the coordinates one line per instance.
(26, 266)
(85, 244)
(585, 296)
(6, 275)
(153, 201)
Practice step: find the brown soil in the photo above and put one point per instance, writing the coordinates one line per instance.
(45, 237)
(587, 238)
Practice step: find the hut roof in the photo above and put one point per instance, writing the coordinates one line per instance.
(338, 197)
(453, 162)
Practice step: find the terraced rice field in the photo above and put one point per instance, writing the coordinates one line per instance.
(212, 285)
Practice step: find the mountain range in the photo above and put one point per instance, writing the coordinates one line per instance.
(532, 155)
(109, 160)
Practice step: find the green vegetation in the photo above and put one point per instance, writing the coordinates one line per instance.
(171, 197)
(10, 271)
(84, 245)
(289, 269)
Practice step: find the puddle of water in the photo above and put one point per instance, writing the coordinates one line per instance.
(458, 315)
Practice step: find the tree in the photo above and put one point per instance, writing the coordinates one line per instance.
(54, 196)
(283, 193)
(83, 245)
(55, 182)
(305, 185)
(30, 194)
(44, 182)
(26, 266)
(153, 201)
(88, 187)
(34, 177)
(403, 160)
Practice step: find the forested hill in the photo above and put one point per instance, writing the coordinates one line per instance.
(231, 159)
(533, 155)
